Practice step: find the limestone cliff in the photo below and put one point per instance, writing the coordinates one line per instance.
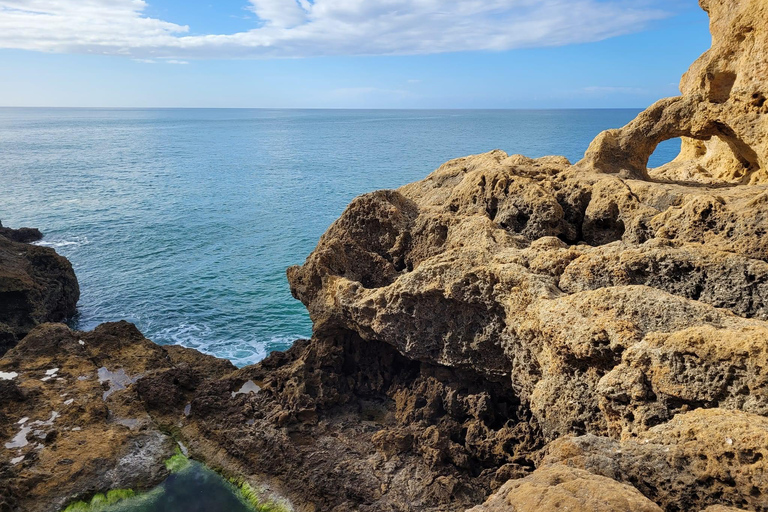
(506, 335)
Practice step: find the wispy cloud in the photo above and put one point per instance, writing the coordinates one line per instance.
(161, 61)
(357, 92)
(300, 28)
(598, 89)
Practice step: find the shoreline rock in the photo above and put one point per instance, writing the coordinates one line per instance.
(78, 423)
(21, 235)
(505, 335)
(36, 285)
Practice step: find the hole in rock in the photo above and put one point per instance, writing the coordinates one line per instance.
(722, 156)
(665, 152)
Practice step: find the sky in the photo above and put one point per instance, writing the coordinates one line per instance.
(347, 53)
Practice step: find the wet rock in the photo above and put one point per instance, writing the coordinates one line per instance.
(61, 438)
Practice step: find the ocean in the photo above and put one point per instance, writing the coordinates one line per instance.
(183, 221)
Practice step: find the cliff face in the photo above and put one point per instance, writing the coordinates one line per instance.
(506, 335)
(605, 300)
(36, 285)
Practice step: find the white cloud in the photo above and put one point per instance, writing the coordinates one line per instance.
(298, 28)
(280, 13)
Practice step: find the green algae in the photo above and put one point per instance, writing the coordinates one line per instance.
(252, 496)
(101, 501)
(190, 487)
(178, 462)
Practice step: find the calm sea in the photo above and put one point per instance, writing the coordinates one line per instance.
(184, 221)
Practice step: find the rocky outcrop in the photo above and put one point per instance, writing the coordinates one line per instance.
(559, 487)
(21, 235)
(722, 114)
(608, 301)
(72, 419)
(36, 285)
(507, 334)
(701, 457)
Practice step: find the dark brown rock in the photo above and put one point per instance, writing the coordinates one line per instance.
(73, 419)
(36, 285)
(21, 235)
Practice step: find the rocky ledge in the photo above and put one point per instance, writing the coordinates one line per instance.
(36, 285)
(506, 335)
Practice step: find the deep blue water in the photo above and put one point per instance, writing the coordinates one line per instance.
(184, 221)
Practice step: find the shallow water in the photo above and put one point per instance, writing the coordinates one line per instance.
(184, 221)
(193, 489)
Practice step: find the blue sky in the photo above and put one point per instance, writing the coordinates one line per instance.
(346, 53)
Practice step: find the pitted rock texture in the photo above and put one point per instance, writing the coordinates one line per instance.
(608, 300)
(699, 458)
(72, 421)
(36, 285)
(559, 487)
(508, 334)
(722, 114)
(468, 288)
(342, 424)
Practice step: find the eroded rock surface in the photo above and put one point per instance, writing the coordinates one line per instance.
(700, 458)
(722, 114)
(69, 428)
(559, 487)
(508, 334)
(36, 285)
(605, 299)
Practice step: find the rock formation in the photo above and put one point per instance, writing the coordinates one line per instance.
(69, 426)
(721, 115)
(36, 285)
(559, 487)
(506, 335)
(23, 235)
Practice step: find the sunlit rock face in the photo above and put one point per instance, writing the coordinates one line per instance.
(607, 299)
(507, 334)
(722, 114)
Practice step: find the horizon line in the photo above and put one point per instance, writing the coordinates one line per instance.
(317, 108)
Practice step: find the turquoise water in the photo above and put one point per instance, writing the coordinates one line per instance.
(192, 489)
(183, 221)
